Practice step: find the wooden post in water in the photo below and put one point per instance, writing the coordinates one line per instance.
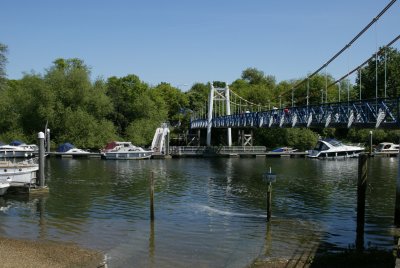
(370, 143)
(397, 205)
(269, 201)
(152, 196)
(48, 140)
(361, 192)
(269, 178)
(41, 159)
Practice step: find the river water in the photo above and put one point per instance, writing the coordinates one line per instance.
(208, 212)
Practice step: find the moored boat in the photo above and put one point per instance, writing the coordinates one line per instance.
(19, 173)
(67, 149)
(125, 150)
(334, 148)
(17, 151)
(387, 148)
(287, 150)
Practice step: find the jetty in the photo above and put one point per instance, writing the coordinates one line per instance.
(229, 151)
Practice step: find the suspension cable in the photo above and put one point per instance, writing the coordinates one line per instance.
(349, 44)
(365, 62)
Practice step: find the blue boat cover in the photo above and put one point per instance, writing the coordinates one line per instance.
(65, 147)
(16, 143)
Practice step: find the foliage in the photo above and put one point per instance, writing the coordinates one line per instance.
(89, 114)
(373, 79)
(299, 138)
(176, 100)
(198, 97)
(3, 62)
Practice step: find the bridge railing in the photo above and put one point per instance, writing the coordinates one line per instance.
(373, 113)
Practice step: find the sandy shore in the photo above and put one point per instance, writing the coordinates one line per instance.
(26, 253)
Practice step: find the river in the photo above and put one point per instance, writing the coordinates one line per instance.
(208, 212)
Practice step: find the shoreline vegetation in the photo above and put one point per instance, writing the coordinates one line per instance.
(36, 253)
(89, 113)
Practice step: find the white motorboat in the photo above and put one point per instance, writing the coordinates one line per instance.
(125, 150)
(387, 148)
(17, 151)
(19, 173)
(334, 148)
(67, 149)
(76, 151)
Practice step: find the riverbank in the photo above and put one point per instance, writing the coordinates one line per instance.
(351, 258)
(27, 253)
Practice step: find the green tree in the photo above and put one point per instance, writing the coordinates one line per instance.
(175, 100)
(198, 97)
(255, 77)
(3, 62)
(84, 130)
(123, 93)
(150, 111)
(77, 102)
(370, 86)
(35, 103)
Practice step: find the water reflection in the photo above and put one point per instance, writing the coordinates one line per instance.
(208, 212)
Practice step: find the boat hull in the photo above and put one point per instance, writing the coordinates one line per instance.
(127, 155)
(335, 154)
(4, 187)
(15, 154)
(18, 174)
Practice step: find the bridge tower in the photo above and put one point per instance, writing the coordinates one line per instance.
(219, 97)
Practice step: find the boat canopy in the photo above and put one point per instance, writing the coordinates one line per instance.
(111, 145)
(62, 148)
(16, 143)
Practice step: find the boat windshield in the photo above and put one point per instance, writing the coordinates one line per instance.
(320, 146)
(335, 143)
(380, 146)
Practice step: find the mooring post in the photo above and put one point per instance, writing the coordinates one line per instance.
(41, 159)
(370, 143)
(361, 193)
(269, 177)
(397, 205)
(152, 196)
(269, 201)
(48, 140)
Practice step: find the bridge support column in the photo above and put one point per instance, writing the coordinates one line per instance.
(228, 112)
(209, 115)
(219, 95)
(245, 139)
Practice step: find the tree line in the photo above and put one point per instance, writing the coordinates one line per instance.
(91, 113)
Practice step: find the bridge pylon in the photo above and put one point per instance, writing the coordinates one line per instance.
(218, 105)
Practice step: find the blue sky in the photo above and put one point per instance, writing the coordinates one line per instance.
(185, 41)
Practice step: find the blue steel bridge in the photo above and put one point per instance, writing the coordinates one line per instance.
(226, 109)
(374, 113)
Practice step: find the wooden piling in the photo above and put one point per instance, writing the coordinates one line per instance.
(152, 196)
(48, 140)
(361, 193)
(41, 159)
(370, 142)
(397, 204)
(269, 201)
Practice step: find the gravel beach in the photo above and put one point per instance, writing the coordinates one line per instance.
(27, 253)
